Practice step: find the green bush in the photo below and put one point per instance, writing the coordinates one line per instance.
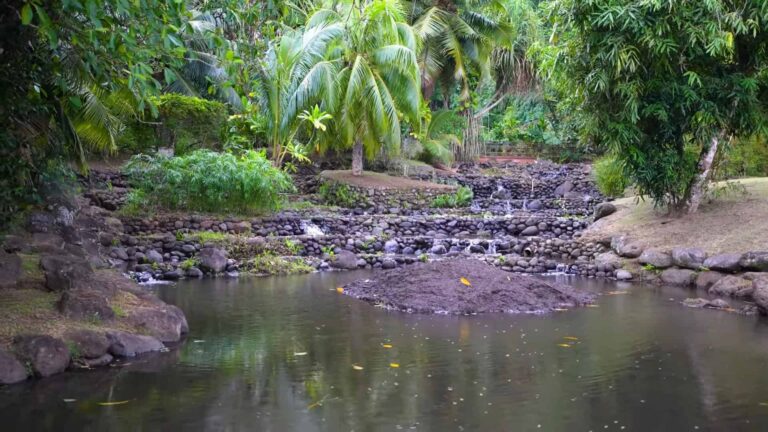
(184, 123)
(461, 198)
(747, 157)
(209, 181)
(609, 176)
(337, 194)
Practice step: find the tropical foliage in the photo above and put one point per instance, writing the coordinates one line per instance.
(209, 181)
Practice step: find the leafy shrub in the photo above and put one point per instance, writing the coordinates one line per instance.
(747, 157)
(609, 176)
(210, 181)
(246, 131)
(337, 194)
(461, 198)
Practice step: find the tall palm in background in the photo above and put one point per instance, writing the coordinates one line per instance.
(378, 75)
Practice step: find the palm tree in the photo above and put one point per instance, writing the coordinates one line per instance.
(378, 75)
(294, 75)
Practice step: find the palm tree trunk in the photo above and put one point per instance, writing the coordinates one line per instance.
(357, 158)
(471, 146)
(697, 188)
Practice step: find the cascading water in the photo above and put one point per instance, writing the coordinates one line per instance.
(311, 229)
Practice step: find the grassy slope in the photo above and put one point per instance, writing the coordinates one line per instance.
(733, 223)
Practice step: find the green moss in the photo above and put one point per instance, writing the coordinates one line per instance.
(208, 236)
(119, 311)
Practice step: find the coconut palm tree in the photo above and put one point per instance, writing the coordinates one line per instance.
(378, 75)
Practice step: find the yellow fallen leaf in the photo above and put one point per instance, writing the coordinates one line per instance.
(465, 281)
(114, 403)
(593, 305)
(564, 345)
(394, 365)
(339, 290)
(570, 337)
(356, 367)
(559, 310)
(386, 345)
(616, 292)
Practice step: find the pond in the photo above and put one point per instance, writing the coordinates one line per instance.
(292, 354)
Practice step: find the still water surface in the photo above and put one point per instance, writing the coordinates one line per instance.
(277, 354)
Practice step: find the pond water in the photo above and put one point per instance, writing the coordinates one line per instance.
(278, 354)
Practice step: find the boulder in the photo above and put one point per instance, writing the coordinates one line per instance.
(11, 369)
(656, 258)
(153, 257)
(388, 264)
(690, 258)
(760, 294)
(728, 263)
(563, 188)
(732, 286)
(755, 261)
(124, 344)
(89, 344)
(696, 303)
(63, 272)
(10, 269)
(46, 355)
(604, 209)
(213, 260)
(438, 250)
(165, 325)
(193, 272)
(706, 279)
(85, 304)
(623, 275)
(535, 205)
(530, 231)
(625, 247)
(674, 276)
(344, 260)
(98, 361)
(391, 246)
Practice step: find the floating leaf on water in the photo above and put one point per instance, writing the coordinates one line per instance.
(763, 404)
(574, 338)
(616, 292)
(465, 281)
(115, 403)
(356, 367)
(198, 341)
(564, 345)
(339, 290)
(593, 305)
(303, 353)
(69, 400)
(394, 365)
(386, 345)
(559, 310)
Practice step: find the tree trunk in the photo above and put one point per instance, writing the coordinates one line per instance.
(705, 170)
(357, 158)
(471, 147)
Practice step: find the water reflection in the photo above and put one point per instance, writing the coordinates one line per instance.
(276, 354)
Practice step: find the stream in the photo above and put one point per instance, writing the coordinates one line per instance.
(292, 354)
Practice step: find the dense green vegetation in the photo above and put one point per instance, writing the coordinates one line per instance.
(677, 90)
(209, 181)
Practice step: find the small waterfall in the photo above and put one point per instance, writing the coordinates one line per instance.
(507, 208)
(562, 269)
(491, 247)
(311, 229)
(525, 204)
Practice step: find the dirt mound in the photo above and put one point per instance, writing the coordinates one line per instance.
(441, 287)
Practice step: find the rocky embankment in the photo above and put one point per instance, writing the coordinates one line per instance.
(62, 307)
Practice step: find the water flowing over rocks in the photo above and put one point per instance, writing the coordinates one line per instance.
(437, 287)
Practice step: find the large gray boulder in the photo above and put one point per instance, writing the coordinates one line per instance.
(11, 369)
(755, 261)
(760, 294)
(46, 355)
(604, 209)
(162, 323)
(706, 279)
(732, 286)
(213, 260)
(656, 258)
(391, 246)
(674, 276)
(344, 260)
(626, 247)
(690, 258)
(728, 263)
(88, 344)
(153, 257)
(124, 344)
(564, 188)
(63, 272)
(530, 231)
(85, 303)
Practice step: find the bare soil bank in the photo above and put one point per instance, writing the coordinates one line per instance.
(464, 286)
